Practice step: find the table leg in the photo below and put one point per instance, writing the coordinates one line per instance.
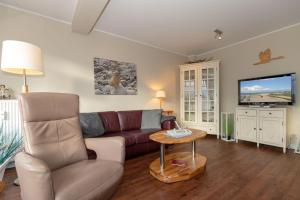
(194, 149)
(162, 157)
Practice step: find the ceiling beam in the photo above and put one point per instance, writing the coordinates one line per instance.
(87, 13)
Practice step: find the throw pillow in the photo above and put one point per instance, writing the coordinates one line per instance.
(91, 124)
(151, 119)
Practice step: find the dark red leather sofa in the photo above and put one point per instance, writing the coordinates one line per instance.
(128, 125)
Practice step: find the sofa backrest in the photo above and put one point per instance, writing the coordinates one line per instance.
(110, 121)
(130, 120)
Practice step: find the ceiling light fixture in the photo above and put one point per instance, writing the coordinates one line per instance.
(219, 34)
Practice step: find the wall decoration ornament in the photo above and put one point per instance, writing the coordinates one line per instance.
(199, 60)
(114, 77)
(5, 92)
(266, 57)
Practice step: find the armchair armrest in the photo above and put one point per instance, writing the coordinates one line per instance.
(108, 148)
(34, 177)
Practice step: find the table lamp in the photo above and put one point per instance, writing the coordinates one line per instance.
(21, 58)
(160, 94)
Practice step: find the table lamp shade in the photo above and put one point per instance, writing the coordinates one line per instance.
(160, 94)
(21, 58)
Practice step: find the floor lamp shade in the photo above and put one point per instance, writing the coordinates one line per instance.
(21, 58)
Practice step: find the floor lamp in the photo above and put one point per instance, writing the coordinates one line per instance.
(21, 58)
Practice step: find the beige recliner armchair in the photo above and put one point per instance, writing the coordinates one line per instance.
(54, 165)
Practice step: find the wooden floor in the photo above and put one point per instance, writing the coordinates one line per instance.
(234, 171)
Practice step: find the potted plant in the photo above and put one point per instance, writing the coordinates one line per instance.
(9, 145)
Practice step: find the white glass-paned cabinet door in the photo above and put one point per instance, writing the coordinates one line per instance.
(207, 89)
(188, 94)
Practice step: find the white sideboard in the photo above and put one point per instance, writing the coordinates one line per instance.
(262, 125)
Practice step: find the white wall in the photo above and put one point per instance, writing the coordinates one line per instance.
(237, 63)
(69, 57)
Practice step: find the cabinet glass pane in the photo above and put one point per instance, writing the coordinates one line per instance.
(192, 75)
(204, 96)
(186, 106)
(192, 106)
(204, 84)
(204, 117)
(192, 85)
(192, 96)
(186, 116)
(211, 72)
(204, 105)
(186, 96)
(192, 116)
(211, 106)
(211, 84)
(211, 117)
(211, 95)
(186, 75)
(204, 74)
(186, 84)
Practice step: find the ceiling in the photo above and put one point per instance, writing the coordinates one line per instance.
(181, 26)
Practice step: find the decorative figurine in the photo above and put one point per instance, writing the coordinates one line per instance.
(5, 93)
(2, 88)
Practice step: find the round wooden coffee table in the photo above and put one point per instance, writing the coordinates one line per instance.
(178, 166)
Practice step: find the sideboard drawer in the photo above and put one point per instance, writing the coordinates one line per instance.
(209, 129)
(271, 113)
(249, 113)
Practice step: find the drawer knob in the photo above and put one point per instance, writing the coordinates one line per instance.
(270, 113)
(246, 112)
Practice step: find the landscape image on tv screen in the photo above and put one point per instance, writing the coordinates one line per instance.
(277, 89)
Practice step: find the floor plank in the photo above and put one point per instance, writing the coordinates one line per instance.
(233, 171)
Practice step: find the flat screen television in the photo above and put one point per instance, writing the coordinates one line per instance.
(268, 90)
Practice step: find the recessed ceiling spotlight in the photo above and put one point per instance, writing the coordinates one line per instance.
(219, 34)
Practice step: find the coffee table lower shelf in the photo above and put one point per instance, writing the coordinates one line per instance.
(172, 173)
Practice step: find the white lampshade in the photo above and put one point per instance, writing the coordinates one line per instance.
(21, 57)
(160, 94)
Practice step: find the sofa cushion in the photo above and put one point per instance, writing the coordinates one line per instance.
(135, 136)
(141, 136)
(110, 121)
(129, 139)
(151, 119)
(91, 124)
(130, 120)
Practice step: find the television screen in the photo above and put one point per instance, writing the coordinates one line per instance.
(277, 89)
